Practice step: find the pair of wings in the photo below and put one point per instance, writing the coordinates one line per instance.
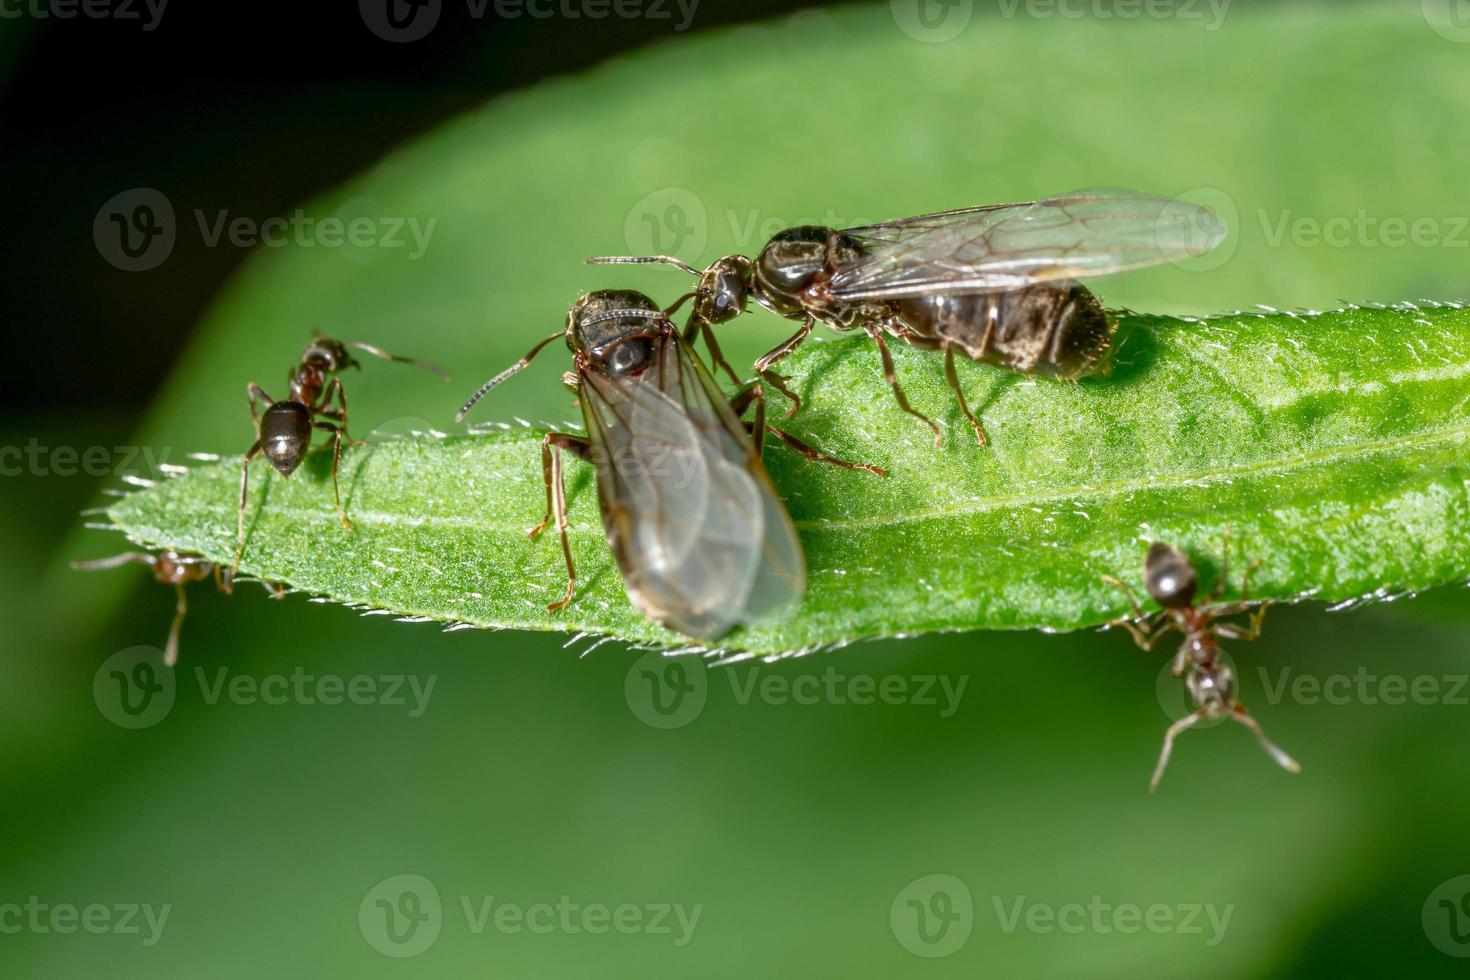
(703, 541)
(1007, 246)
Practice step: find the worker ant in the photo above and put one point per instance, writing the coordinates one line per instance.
(283, 431)
(1171, 582)
(176, 568)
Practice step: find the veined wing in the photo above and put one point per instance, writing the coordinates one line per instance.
(702, 540)
(986, 249)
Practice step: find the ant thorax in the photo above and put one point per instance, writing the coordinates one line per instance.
(307, 380)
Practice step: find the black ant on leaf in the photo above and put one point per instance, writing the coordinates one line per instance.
(1171, 582)
(283, 431)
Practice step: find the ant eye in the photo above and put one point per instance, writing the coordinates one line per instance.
(629, 356)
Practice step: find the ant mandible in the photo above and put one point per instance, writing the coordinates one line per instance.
(1171, 582)
(283, 431)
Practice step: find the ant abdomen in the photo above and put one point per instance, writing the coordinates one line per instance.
(285, 434)
(1053, 330)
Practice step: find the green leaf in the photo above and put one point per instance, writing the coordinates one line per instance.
(1333, 447)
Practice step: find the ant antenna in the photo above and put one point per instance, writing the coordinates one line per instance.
(643, 260)
(620, 314)
(513, 369)
(671, 310)
(115, 561)
(379, 352)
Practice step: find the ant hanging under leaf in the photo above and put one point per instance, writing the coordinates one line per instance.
(176, 568)
(1171, 582)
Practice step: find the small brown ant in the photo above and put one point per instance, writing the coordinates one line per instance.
(176, 568)
(1171, 582)
(283, 431)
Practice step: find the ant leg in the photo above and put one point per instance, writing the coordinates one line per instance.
(171, 649)
(892, 377)
(755, 394)
(954, 383)
(240, 513)
(255, 393)
(552, 446)
(1138, 625)
(336, 385)
(337, 435)
(1137, 610)
(770, 357)
(576, 445)
(716, 356)
(1277, 755)
(1224, 581)
(1247, 633)
(1183, 724)
(811, 452)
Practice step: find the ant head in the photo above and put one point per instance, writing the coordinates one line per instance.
(327, 355)
(723, 289)
(600, 319)
(1169, 576)
(616, 328)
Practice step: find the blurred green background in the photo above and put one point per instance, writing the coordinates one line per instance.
(805, 834)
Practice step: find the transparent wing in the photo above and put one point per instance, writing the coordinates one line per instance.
(702, 540)
(986, 249)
